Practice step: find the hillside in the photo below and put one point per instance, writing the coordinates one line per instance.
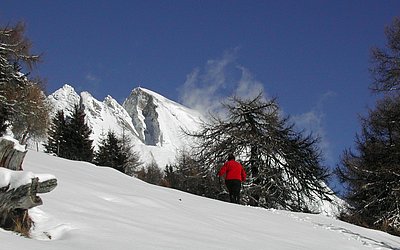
(99, 208)
(154, 124)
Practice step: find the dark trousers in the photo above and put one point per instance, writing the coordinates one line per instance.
(234, 190)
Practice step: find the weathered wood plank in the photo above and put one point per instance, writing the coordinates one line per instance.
(10, 157)
(15, 202)
(22, 198)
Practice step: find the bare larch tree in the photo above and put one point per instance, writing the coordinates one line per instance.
(283, 165)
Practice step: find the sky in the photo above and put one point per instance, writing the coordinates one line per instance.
(313, 56)
(97, 214)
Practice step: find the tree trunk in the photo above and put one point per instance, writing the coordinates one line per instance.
(22, 198)
(10, 157)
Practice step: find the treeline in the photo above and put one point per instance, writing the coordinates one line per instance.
(69, 137)
(283, 165)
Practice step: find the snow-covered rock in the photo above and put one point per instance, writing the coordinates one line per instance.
(64, 99)
(159, 120)
(106, 115)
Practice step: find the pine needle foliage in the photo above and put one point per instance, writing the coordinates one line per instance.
(69, 137)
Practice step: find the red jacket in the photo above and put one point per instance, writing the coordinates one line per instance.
(233, 170)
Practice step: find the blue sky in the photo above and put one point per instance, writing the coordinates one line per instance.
(312, 55)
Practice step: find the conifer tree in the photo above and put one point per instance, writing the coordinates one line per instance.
(56, 141)
(151, 173)
(130, 157)
(110, 153)
(69, 137)
(78, 143)
(116, 153)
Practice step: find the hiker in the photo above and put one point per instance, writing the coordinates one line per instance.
(234, 176)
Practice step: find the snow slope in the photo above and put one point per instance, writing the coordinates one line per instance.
(99, 208)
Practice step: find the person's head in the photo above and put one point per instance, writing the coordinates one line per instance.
(231, 157)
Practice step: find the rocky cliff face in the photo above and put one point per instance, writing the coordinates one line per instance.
(141, 107)
(158, 120)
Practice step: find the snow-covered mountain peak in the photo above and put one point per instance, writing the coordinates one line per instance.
(144, 91)
(158, 120)
(67, 91)
(67, 88)
(152, 121)
(138, 91)
(110, 100)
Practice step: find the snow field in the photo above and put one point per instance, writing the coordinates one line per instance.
(100, 208)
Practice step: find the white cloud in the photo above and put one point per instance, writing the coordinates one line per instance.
(205, 88)
(248, 86)
(91, 77)
(313, 122)
(310, 122)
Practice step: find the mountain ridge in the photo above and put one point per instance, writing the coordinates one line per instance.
(151, 121)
